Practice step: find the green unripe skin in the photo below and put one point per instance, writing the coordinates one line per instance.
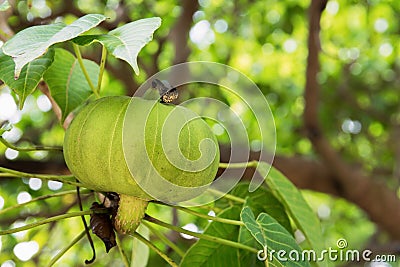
(93, 151)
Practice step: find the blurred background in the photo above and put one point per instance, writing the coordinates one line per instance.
(329, 70)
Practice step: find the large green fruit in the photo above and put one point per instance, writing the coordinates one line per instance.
(94, 147)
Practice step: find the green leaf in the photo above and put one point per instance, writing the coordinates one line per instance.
(271, 235)
(260, 201)
(140, 252)
(256, 230)
(301, 213)
(125, 42)
(4, 6)
(30, 74)
(66, 81)
(207, 253)
(33, 42)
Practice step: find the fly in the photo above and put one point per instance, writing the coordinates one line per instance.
(166, 91)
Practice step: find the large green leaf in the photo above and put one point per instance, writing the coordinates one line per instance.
(33, 42)
(125, 42)
(207, 253)
(274, 237)
(30, 74)
(260, 201)
(67, 83)
(296, 206)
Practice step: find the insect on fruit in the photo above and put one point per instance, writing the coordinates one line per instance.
(166, 91)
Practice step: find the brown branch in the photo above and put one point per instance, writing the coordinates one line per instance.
(311, 93)
(179, 35)
(381, 204)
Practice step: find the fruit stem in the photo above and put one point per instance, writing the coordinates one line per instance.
(80, 60)
(201, 236)
(64, 250)
(159, 252)
(33, 148)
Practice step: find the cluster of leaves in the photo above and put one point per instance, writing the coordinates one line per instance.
(30, 56)
(271, 230)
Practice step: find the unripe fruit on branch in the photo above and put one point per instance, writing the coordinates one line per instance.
(94, 148)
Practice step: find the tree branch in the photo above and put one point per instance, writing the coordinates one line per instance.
(381, 204)
(179, 35)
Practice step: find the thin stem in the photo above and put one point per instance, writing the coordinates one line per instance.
(59, 178)
(164, 239)
(78, 193)
(121, 251)
(204, 216)
(8, 175)
(239, 165)
(158, 251)
(42, 198)
(227, 196)
(49, 220)
(64, 250)
(33, 148)
(202, 236)
(80, 60)
(102, 66)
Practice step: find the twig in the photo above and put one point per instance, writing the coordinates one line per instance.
(164, 239)
(33, 148)
(49, 220)
(227, 196)
(199, 235)
(64, 250)
(60, 178)
(80, 60)
(41, 198)
(102, 67)
(202, 215)
(158, 251)
(121, 251)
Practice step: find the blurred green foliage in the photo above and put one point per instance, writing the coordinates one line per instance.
(267, 41)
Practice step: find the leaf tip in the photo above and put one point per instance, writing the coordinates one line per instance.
(17, 71)
(21, 102)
